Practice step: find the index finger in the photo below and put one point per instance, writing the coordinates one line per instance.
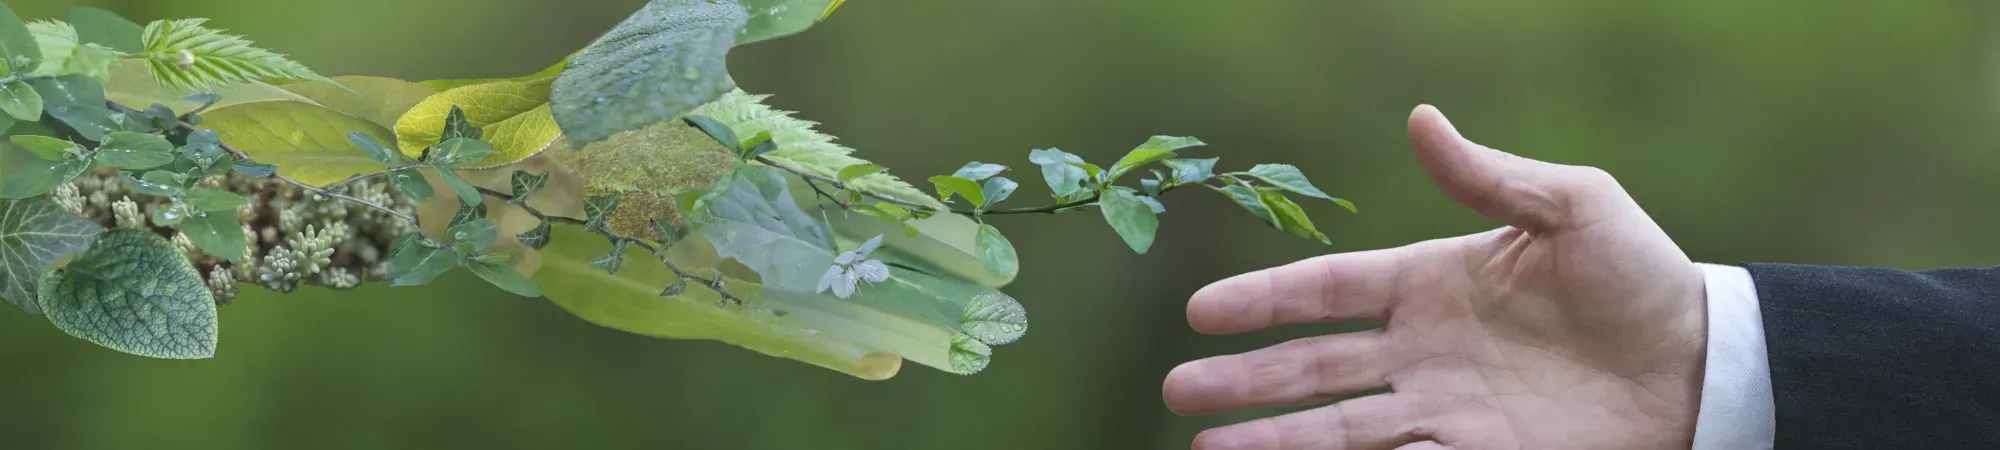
(1359, 285)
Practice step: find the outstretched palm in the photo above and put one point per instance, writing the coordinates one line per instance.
(1580, 325)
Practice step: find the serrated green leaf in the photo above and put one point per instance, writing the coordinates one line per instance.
(979, 171)
(1289, 178)
(39, 176)
(802, 147)
(45, 147)
(417, 260)
(1134, 221)
(459, 151)
(468, 212)
(78, 101)
(658, 64)
(535, 238)
(214, 200)
(218, 234)
(18, 50)
(186, 55)
(1291, 218)
(106, 28)
(526, 185)
(132, 292)
(374, 149)
(378, 100)
(995, 319)
(1189, 171)
(513, 116)
(998, 255)
(611, 261)
(129, 150)
(996, 190)
(64, 54)
(495, 269)
(950, 185)
(772, 19)
(473, 236)
(467, 193)
(308, 143)
(20, 101)
(968, 355)
(1247, 198)
(35, 233)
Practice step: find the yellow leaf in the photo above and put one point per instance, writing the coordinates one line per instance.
(512, 115)
(307, 142)
(448, 84)
(376, 99)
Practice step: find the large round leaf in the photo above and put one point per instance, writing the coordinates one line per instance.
(307, 142)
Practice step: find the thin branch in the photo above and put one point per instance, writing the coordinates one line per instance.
(822, 193)
(810, 177)
(713, 285)
(373, 175)
(189, 127)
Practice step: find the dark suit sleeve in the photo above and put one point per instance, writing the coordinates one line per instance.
(1878, 358)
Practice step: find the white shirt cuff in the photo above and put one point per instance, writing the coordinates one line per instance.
(1737, 411)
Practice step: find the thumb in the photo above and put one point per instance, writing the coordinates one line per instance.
(1521, 192)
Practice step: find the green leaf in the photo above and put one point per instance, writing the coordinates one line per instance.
(715, 129)
(677, 289)
(1247, 198)
(78, 101)
(134, 293)
(513, 116)
(995, 319)
(255, 169)
(849, 173)
(64, 54)
(39, 176)
(944, 244)
(379, 100)
(667, 233)
(375, 149)
(1154, 203)
(979, 171)
(35, 233)
(1155, 149)
(412, 183)
(495, 269)
(757, 146)
(128, 150)
(308, 143)
(474, 236)
(1058, 169)
(1289, 178)
(661, 63)
(1190, 171)
(20, 101)
(535, 238)
(883, 212)
(526, 184)
(1134, 221)
(170, 214)
(186, 55)
(968, 355)
(214, 200)
(106, 28)
(610, 262)
(416, 260)
(997, 253)
(45, 147)
(801, 147)
(1291, 218)
(158, 183)
(996, 190)
(460, 151)
(772, 19)
(17, 44)
(949, 185)
(457, 126)
(597, 210)
(218, 234)
(468, 212)
(467, 193)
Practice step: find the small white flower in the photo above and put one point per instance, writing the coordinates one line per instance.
(852, 267)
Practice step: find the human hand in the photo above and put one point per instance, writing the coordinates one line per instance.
(1579, 325)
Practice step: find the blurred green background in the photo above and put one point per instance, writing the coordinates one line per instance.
(1834, 132)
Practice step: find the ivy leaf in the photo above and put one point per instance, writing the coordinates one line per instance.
(35, 233)
(512, 115)
(468, 212)
(977, 171)
(39, 176)
(526, 184)
(255, 169)
(1190, 171)
(215, 200)
(129, 150)
(472, 237)
(660, 63)
(997, 189)
(64, 54)
(467, 193)
(610, 262)
(1155, 149)
(1064, 178)
(192, 57)
(679, 287)
(1289, 178)
(307, 142)
(849, 173)
(597, 210)
(995, 319)
(17, 44)
(949, 185)
(78, 101)
(416, 260)
(459, 151)
(997, 254)
(375, 149)
(218, 234)
(495, 269)
(134, 293)
(106, 28)
(20, 101)
(1248, 198)
(772, 19)
(667, 233)
(968, 355)
(1132, 218)
(45, 147)
(535, 238)
(1291, 218)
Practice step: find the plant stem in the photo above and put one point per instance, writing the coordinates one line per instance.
(189, 127)
(1046, 209)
